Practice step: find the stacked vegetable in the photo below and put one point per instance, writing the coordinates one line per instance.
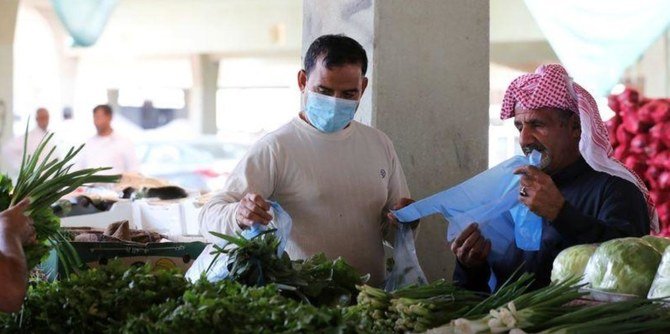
(640, 134)
(44, 181)
(571, 262)
(625, 267)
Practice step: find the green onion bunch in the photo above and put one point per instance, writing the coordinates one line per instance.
(45, 181)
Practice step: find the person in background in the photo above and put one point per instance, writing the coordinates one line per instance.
(582, 193)
(13, 150)
(16, 231)
(335, 177)
(107, 148)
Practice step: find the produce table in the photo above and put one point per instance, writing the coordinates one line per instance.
(269, 293)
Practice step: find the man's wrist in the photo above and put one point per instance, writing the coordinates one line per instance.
(11, 242)
(236, 216)
(473, 267)
(557, 212)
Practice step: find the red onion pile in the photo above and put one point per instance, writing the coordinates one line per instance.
(640, 135)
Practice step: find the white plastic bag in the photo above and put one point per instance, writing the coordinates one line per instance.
(489, 199)
(216, 268)
(660, 287)
(406, 269)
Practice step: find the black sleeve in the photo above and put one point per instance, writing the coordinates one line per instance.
(622, 212)
(473, 279)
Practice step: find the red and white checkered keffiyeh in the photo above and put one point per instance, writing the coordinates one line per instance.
(550, 86)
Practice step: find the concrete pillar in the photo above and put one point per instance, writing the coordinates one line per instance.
(652, 71)
(113, 98)
(354, 18)
(9, 10)
(431, 83)
(202, 97)
(68, 66)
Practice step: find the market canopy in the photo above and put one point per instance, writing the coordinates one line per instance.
(597, 40)
(84, 19)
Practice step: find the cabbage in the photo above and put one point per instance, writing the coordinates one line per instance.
(659, 243)
(626, 265)
(571, 262)
(661, 286)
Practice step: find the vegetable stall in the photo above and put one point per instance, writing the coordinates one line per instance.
(267, 292)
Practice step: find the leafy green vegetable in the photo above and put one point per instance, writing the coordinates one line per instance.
(230, 307)
(318, 280)
(660, 287)
(625, 265)
(571, 262)
(255, 262)
(5, 191)
(93, 301)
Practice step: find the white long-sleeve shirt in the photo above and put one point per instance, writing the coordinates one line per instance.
(13, 150)
(109, 151)
(334, 186)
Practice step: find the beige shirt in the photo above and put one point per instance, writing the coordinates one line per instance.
(334, 186)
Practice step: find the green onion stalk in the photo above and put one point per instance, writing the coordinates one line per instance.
(632, 316)
(527, 310)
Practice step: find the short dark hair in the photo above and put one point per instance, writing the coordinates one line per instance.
(105, 108)
(336, 50)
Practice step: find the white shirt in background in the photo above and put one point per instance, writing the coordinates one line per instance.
(334, 186)
(12, 152)
(109, 151)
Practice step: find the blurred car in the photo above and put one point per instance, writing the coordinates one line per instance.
(199, 164)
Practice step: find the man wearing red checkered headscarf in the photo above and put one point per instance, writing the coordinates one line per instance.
(581, 192)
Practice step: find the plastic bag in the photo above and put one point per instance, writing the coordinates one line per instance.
(571, 262)
(490, 199)
(660, 287)
(406, 269)
(527, 225)
(216, 269)
(624, 266)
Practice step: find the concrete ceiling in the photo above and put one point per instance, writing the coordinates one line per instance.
(147, 28)
(180, 27)
(516, 40)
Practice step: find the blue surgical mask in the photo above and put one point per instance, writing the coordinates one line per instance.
(327, 113)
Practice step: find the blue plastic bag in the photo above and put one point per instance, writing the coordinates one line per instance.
(406, 269)
(216, 269)
(281, 221)
(489, 199)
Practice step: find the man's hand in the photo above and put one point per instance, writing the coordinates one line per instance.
(391, 219)
(15, 223)
(539, 193)
(252, 209)
(470, 247)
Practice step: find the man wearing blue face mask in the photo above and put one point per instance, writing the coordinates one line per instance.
(337, 178)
